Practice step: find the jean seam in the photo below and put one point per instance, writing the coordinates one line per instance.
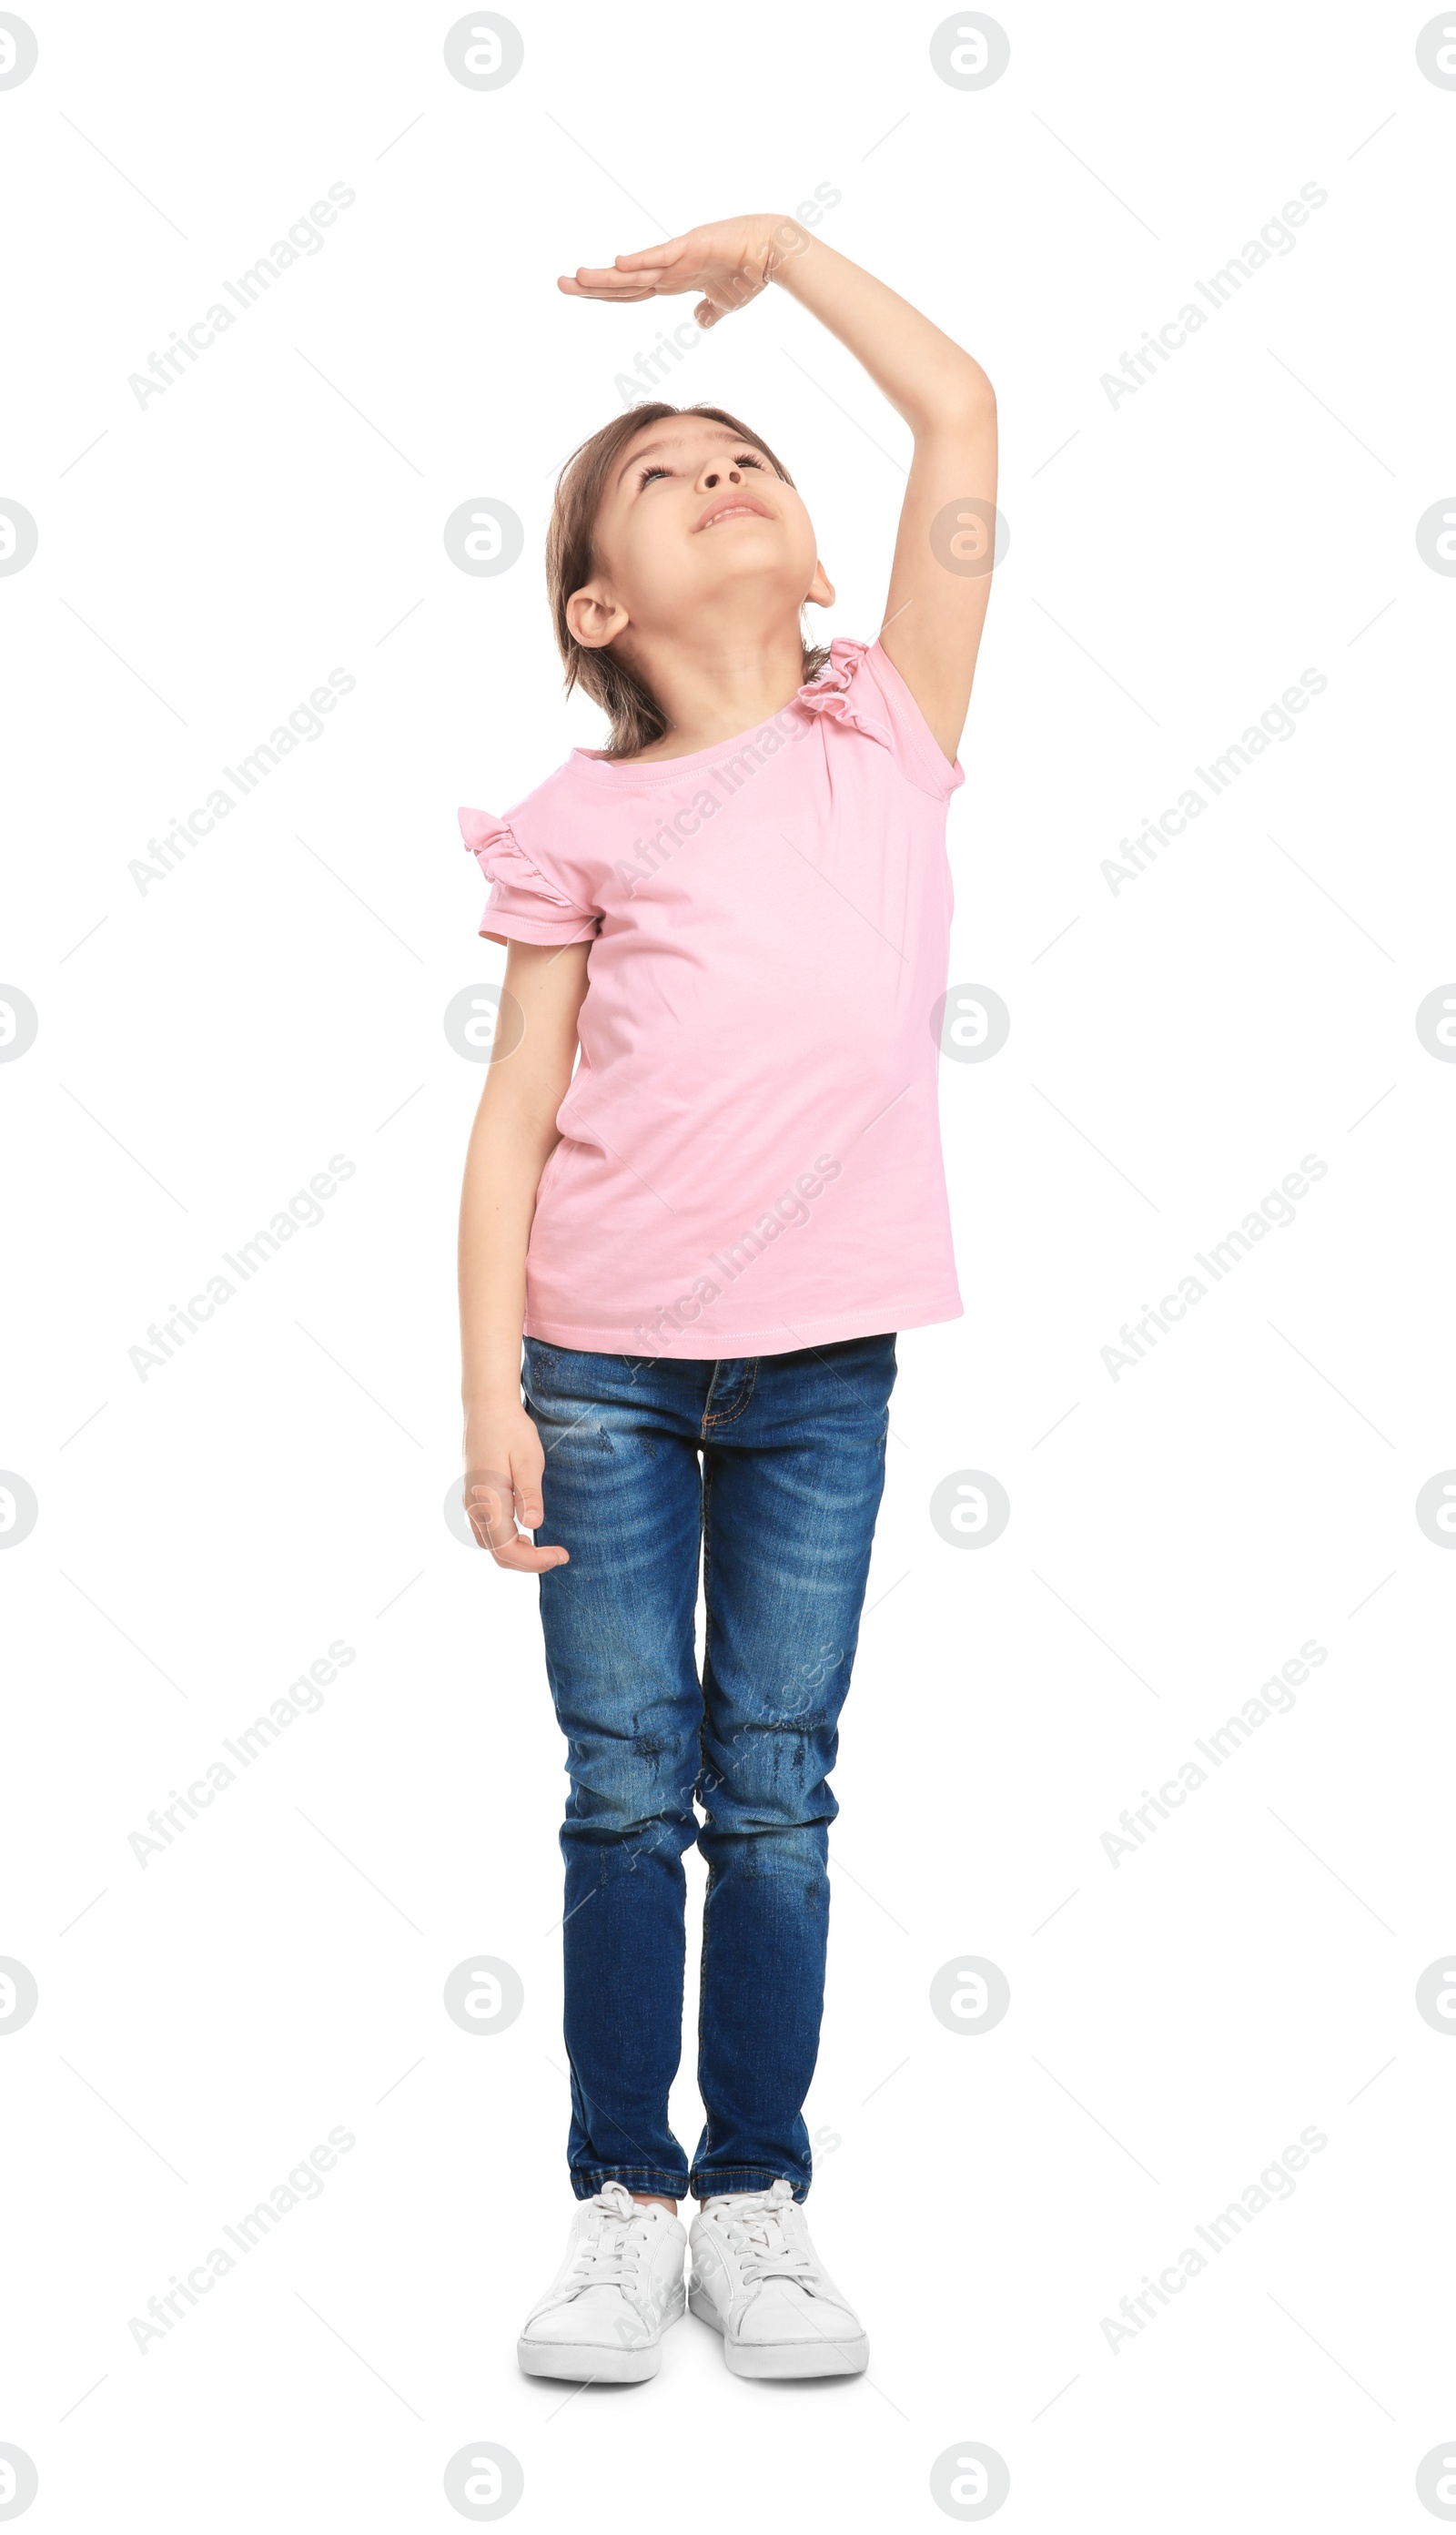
(708, 1898)
(729, 1418)
(707, 1611)
(642, 2178)
(739, 2177)
(708, 2110)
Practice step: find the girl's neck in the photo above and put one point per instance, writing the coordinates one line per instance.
(708, 697)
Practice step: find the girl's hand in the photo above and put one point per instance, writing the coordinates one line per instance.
(729, 261)
(503, 1462)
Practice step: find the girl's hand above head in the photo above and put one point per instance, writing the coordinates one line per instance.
(502, 1487)
(728, 260)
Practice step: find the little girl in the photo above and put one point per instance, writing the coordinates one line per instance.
(709, 1229)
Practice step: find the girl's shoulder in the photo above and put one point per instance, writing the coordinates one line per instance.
(520, 852)
(862, 690)
(523, 831)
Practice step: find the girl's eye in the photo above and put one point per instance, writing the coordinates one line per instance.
(746, 457)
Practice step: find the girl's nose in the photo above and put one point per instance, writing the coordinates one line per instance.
(717, 475)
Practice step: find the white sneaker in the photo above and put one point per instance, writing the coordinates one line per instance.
(757, 2279)
(619, 2287)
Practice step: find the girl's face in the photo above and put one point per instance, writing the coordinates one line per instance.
(696, 518)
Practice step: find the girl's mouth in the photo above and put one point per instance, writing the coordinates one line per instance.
(742, 505)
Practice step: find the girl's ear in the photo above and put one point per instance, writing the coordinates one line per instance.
(594, 617)
(820, 590)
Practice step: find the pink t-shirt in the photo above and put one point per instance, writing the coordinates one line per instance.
(749, 1156)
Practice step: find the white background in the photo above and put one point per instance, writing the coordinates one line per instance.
(204, 1046)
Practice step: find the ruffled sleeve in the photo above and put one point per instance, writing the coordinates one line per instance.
(862, 690)
(838, 693)
(523, 905)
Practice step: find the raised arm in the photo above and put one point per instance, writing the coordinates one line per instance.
(514, 1137)
(940, 578)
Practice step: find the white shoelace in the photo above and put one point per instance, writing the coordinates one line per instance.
(610, 2257)
(764, 2251)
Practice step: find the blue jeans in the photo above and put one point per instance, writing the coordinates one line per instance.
(775, 1466)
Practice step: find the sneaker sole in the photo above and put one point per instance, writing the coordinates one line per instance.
(593, 2361)
(786, 2357)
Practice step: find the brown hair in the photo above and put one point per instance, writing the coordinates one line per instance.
(635, 717)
